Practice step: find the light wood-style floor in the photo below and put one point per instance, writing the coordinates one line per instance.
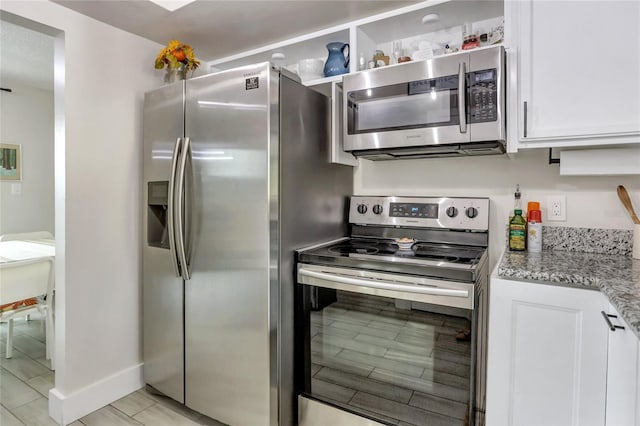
(25, 380)
(404, 365)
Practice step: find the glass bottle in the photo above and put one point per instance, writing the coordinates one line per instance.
(362, 62)
(398, 52)
(517, 232)
(518, 198)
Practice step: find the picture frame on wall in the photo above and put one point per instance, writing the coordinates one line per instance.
(10, 162)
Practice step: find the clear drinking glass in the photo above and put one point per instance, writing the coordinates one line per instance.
(398, 51)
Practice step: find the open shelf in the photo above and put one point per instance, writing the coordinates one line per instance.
(379, 33)
(305, 47)
(324, 80)
(413, 35)
(452, 14)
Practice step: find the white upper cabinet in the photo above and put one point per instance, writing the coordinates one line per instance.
(575, 72)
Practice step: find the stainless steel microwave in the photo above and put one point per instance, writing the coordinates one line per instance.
(446, 106)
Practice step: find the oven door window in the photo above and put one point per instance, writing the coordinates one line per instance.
(413, 105)
(387, 359)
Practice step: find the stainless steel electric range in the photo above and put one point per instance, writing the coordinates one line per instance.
(391, 321)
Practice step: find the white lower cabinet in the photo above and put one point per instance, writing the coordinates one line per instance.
(547, 361)
(622, 373)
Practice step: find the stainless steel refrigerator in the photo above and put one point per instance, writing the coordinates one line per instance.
(236, 176)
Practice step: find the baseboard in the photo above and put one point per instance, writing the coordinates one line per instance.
(65, 409)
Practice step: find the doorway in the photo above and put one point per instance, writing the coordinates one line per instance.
(32, 123)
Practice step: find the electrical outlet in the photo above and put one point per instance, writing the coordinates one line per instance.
(557, 208)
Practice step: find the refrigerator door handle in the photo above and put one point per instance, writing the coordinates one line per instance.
(180, 206)
(171, 207)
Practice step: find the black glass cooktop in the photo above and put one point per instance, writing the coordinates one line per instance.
(465, 255)
(423, 258)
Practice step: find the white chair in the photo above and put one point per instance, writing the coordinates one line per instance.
(22, 285)
(38, 235)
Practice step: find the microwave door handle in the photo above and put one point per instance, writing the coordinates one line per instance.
(418, 289)
(462, 97)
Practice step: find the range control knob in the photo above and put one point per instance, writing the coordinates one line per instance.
(472, 212)
(452, 212)
(362, 209)
(377, 209)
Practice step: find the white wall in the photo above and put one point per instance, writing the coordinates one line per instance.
(107, 71)
(27, 120)
(591, 201)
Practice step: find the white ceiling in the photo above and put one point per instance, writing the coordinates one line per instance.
(217, 29)
(26, 56)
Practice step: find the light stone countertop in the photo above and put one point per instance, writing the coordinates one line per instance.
(617, 276)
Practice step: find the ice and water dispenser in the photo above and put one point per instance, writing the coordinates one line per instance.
(157, 214)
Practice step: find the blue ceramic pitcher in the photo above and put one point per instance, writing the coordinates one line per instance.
(337, 63)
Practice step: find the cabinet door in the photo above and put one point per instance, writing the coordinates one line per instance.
(578, 69)
(547, 360)
(622, 373)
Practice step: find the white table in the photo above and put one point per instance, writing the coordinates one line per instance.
(17, 250)
(11, 251)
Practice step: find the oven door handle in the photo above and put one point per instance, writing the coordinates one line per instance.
(383, 285)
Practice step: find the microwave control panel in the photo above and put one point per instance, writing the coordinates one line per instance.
(483, 96)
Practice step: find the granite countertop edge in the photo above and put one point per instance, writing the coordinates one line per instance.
(618, 277)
